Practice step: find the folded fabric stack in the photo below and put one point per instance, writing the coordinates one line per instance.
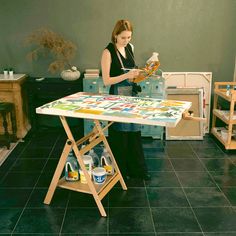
(91, 73)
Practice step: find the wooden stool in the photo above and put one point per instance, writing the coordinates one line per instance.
(5, 108)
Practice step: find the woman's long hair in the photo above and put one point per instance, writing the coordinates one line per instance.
(121, 25)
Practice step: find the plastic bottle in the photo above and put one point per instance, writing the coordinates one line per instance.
(152, 63)
(106, 162)
(227, 90)
(88, 162)
(71, 168)
(151, 66)
(96, 161)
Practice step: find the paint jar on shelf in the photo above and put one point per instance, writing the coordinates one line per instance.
(82, 176)
(88, 162)
(71, 168)
(96, 161)
(106, 162)
(99, 175)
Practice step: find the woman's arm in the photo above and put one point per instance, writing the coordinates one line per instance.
(106, 65)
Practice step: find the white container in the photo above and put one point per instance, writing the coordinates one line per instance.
(154, 57)
(5, 73)
(88, 162)
(11, 73)
(82, 176)
(99, 175)
(224, 134)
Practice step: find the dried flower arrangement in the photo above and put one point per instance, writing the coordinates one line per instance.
(48, 41)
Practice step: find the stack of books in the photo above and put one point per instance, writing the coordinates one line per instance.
(91, 73)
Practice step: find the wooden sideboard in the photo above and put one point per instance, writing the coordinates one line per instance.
(47, 90)
(12, 89)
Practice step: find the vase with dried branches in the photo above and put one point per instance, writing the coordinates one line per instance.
(47, 41)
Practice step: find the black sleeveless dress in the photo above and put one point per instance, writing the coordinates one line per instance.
(125, 139)
(116, 70)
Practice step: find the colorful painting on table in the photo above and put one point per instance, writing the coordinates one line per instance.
(138, 108)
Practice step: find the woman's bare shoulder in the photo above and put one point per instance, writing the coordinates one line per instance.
(106, 53)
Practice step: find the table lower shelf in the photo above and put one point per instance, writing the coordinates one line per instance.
(101, 189)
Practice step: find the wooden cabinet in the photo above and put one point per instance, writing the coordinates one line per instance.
(47, 90)
(12, 89)
(224, 120)
(152, 87)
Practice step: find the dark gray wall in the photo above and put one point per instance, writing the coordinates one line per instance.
(190, 35)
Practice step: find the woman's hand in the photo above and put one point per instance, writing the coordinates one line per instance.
(132, 74)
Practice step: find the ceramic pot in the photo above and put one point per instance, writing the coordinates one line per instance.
(70, 75)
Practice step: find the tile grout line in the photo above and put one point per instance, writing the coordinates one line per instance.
(153, 224)
(145, 187)
(186, 197)
(64, 216)
(108, 212)
(31, 191)
(218, 187)
(3, 178)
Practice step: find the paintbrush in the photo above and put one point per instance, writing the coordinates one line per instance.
(128, 69)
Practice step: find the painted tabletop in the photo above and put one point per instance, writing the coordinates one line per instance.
(139, 110)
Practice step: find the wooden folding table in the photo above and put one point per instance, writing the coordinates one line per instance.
(111, 108)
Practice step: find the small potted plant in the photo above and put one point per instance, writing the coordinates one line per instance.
(5, 72)
(11, 72)
(47, 41)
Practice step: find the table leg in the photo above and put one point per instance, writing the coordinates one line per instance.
(57, 174)
(5, 126)
(82, 166)
(100, 130)
(13, 123)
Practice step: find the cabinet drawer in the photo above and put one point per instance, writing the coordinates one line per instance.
(53, 90)
(156, 131)
(145, 129)
(6, 86)
(157, 95)
(89, 125)
(144, 95)
(103, 124)
(146, 87)
(102, 88)
(91, 85)
(157, 86)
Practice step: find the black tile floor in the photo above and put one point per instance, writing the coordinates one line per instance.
(192, 192)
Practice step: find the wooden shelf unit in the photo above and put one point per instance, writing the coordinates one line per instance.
(226, 116)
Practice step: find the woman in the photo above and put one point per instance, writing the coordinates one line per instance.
(125, 139)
